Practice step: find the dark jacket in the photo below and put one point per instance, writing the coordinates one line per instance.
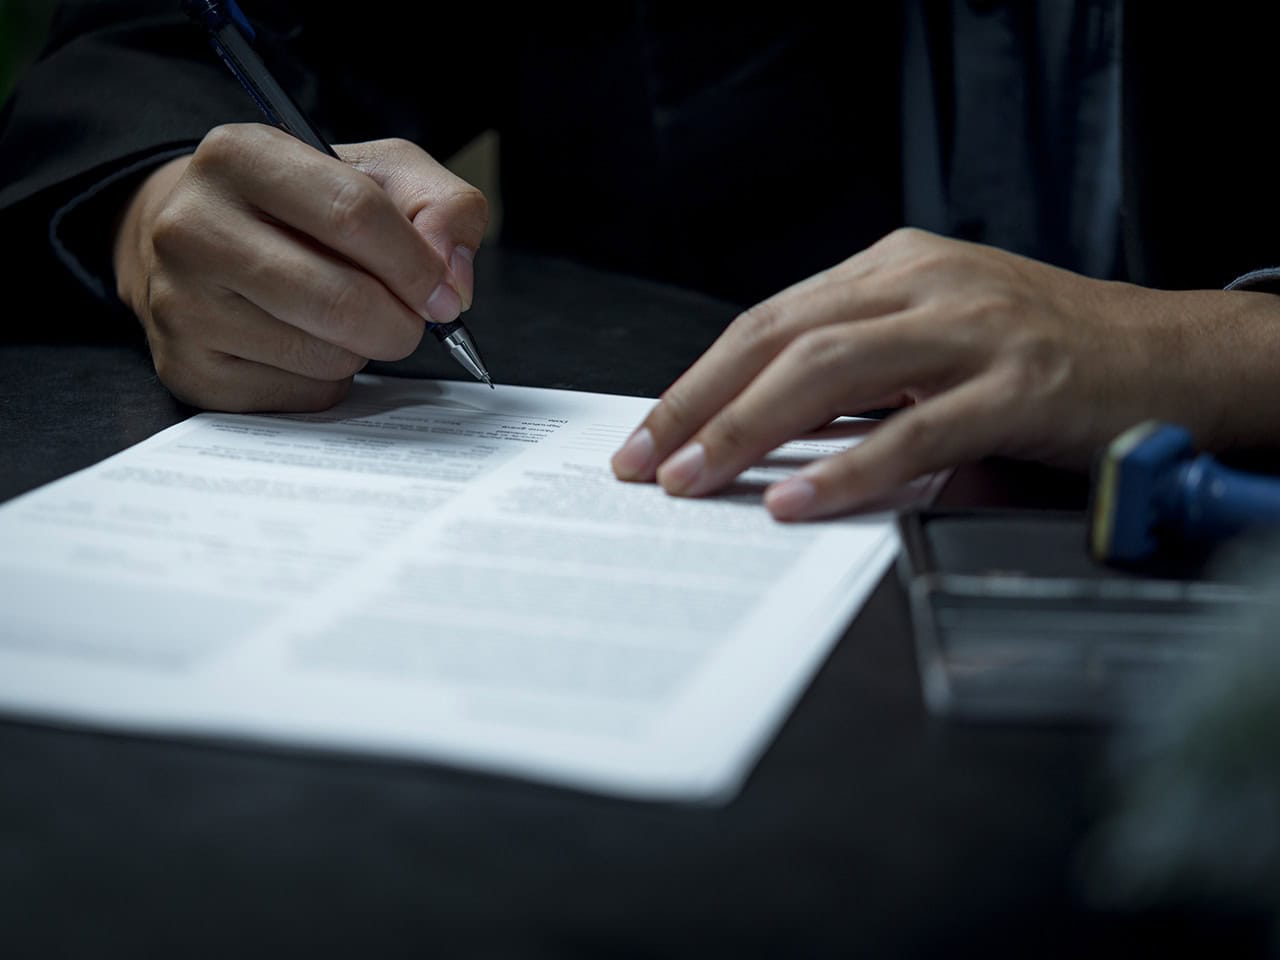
(726, 154)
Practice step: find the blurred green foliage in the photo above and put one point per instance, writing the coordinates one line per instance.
(22, 29)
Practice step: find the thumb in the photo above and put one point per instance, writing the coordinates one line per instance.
(449, 213)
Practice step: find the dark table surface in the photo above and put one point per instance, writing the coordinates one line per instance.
(868, 828)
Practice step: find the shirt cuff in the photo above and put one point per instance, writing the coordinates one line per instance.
(1266, 280)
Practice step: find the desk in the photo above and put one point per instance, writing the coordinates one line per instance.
(867, 829)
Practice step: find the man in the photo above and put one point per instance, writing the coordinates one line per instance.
(666, 141)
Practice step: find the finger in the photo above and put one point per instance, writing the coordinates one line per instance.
(218, 381)
(321, 295)
(196, 340)
(284, 274)
(962, 424)
(446, 210)
(247, 331)
(825, 372)
(738, 356)
(338, 206)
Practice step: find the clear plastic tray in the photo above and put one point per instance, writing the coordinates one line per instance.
(1012, 621)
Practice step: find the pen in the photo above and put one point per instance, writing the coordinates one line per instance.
(230, 35)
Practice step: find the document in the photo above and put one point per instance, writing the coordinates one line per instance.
(433, 571)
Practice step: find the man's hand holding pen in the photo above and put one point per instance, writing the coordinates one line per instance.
(266, 274)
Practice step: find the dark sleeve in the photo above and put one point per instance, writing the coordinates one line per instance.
(1200, 210)
(123, 85)
(118, 88)
(1262, 280)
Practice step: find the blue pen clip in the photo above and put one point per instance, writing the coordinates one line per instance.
(214, 14)
(230, 35)
(241, 20)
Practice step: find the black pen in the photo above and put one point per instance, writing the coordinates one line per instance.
(230, 35)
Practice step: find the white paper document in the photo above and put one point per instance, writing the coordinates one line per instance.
(431, 570)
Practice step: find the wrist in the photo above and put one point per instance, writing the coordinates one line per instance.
(1219, 353)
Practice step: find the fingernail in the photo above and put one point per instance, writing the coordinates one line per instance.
(682, 470)
(444, 304)
(631, 462)
(790, 499)
(462, 264)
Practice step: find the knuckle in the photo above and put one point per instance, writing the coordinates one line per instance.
(675, 411)
(759, 328)
(731, 432)
(917, 251)
(226, 144)
(822, 351)
(472, 203)
(476, 215)
(927, 261)
(352, 206)
(174, 230)
(345, 308)
(933, 256)
(398, 146)
(219, 143)
(163, 304)
(905, 238)
(459, 209)
(918, 432)
(269, 273)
